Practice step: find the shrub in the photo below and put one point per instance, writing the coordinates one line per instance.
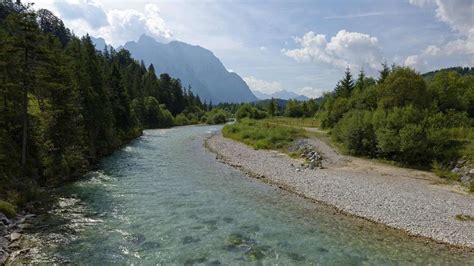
(357, 133)
(216, 116)
(403, 87)
(249, 111)
(262, 135)
(181, 120)
(8, 209)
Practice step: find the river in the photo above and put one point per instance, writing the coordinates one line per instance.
(165, 199)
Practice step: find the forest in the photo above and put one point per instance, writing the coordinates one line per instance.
(402, 116)
(64, 104)
(422, 121)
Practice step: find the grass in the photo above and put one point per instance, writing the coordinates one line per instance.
(7, 209)
(465, 218)
(441, 171)
(260, 134)
(296, 122)
(466, 136)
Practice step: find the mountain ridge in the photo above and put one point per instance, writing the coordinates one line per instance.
(195, 66)
(282, 94)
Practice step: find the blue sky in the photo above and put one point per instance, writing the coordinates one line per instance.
(299, 46)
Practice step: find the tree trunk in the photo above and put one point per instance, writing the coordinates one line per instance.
(25, 117)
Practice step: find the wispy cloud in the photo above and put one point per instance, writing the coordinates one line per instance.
(362, 15)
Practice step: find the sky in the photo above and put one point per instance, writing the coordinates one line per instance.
(298, 46)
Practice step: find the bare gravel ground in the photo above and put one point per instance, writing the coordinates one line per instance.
(400, 198)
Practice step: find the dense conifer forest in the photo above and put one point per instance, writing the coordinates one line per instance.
(64, 104)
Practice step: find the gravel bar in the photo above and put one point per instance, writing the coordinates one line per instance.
(410, 204)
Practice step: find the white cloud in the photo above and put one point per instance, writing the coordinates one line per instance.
(116, 26)
(421, 3)
(263, 48)
(263, 86)
(310, 92)
(127, 25)
(90, 12)
(346, 49)
(458, 15)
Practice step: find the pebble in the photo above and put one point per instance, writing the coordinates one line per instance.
(411, 204)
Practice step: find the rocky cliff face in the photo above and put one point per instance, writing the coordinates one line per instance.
(195, 66)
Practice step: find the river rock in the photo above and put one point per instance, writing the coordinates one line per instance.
(4, 220)
(14, 236)
(3, 229)
(3, 243)
(3, 256)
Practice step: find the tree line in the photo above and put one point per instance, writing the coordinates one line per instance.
(64, 105)
(402, 116)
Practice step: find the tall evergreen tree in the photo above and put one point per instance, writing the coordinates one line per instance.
(346, 85)
(383, 73)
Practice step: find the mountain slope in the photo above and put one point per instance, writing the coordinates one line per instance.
(195, 66)
(283, 94)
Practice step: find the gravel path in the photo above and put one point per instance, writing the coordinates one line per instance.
(397, 200)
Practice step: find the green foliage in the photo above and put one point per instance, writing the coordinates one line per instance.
(249, 111)
(216, 116)
(334, 110)
(262, 135)
(272, 107)
(357, 132)
(403, 117)
(294, 109)
(345, 86)
(465, 217)
(443, 172)
(403, 87)
(8, 209)
(65, 105)
(181, 120)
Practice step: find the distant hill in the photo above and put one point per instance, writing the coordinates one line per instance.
(463, 71)
(283, 94)
(195, 66)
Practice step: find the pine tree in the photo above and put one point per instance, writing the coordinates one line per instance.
(61, 129)
(24, 36)
(272, 107)
(360, 83)
(346, 85)
(383, 73)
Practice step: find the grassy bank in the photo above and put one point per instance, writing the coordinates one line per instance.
(297, 122)
(263, 134)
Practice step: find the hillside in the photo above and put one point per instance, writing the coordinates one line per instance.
(195, 66)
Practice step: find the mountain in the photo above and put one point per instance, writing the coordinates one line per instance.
(283, 94)
(463, 71)
(195, 66)
(98, 42)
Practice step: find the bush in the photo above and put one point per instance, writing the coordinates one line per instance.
(336, 111)
(181, 120)
(216, 116)
(8, 209)
(403, 87)
(262, 135)
(357, 133)
(249, 111)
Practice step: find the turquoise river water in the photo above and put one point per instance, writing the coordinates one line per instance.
(165, 199)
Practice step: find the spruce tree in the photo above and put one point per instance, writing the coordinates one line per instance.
(346, 85)
(383, 73)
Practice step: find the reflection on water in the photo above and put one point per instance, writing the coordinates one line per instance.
(165, 199)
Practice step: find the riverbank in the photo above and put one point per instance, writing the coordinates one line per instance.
(404, 199)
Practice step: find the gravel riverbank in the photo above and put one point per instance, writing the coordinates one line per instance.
(399, 198)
